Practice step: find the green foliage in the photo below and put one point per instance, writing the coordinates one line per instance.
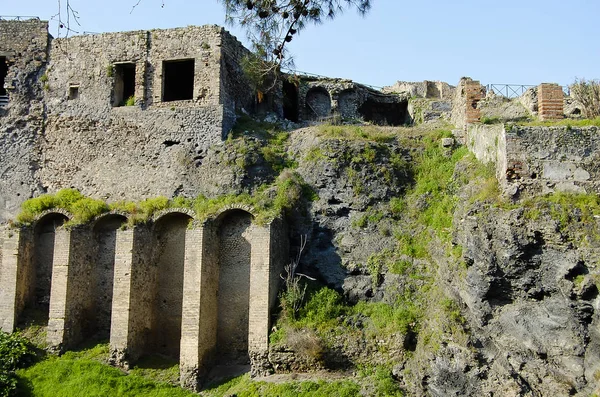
(322, 309)
(381, 380)
(243, 386)
(82, 208)
(130, 101)
(401, 316)
(72, 375)
(569, 123)
(110, 71)
(491, 120)
(15, 352)
(154, 205)
(362, 133)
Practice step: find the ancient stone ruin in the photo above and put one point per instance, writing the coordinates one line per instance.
(131, 115)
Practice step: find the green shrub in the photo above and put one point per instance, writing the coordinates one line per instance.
(151, 206)
(15, 352)
(130, 101)
(87, 209)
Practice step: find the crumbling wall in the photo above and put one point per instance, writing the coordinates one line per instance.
(24, 45)
(538, 160)
(152, 145)
(422, 89)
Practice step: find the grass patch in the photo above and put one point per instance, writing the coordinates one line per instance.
(563, 123)
(363, 133)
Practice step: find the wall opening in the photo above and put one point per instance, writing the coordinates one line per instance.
(290, 101)
(318, 103)
(3, 73)
(178, 80)
(73, 92)
(37, 307)
(102, 276)
(234, 287)
(169, 239)
(124, 89)
(382, 113)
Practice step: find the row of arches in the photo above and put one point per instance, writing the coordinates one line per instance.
(349, 103)
(152, 289)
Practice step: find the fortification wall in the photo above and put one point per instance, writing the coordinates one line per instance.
(538, 160)
(23, 46)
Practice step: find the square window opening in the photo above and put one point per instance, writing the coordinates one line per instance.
(124, 89)
(3, 73)
(178, 80)
(73, 92)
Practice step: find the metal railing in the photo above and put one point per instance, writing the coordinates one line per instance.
(3, 101)
(17, 18)
(508, 90)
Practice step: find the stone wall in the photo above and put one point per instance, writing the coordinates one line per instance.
(422, 89)
(78, 133)
(24, 45)
(324, 98)
(538, 160)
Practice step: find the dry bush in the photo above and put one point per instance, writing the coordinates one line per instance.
(306, 343)
(587, 92)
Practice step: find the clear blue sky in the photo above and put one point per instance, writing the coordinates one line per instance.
(500, 41)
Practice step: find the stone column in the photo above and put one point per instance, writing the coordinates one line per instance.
(15, 278)
(200, 303)
(260, 261)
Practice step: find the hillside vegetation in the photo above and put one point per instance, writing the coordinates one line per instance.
(419, 267)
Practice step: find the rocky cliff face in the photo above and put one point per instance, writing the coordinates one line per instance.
(522, 279)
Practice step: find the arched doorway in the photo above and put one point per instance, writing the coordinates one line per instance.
(44, 233)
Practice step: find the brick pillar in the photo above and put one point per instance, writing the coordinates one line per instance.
(473, 96)
(550, 101)
(260, 261)
(132, 292)
(15, 278)
(58, 321)
(200, 303)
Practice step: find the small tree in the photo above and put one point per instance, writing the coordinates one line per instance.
(293, 296)
(587, 92)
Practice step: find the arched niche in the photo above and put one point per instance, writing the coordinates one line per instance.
(348, 103)
(169, 256)
(290, 101)
(40, 282)
(318, 103)
(234, 231)
(104, 235)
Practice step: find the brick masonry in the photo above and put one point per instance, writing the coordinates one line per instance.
(550, 102)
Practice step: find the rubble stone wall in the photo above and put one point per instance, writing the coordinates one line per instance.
(538, 160)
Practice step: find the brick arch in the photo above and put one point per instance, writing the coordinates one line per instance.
(169, 248)
(40, 272)
(104, 230)
(234, 233)
(169, 211)
(223, 212)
